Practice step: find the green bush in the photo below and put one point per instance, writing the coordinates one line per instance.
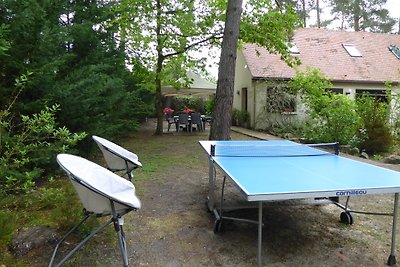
(333, 117)
(375, 135)
(6, 225)
(336, 121)
(29, 148)
(209, 106)
(188, 102)
(97, 100)
(240, 118)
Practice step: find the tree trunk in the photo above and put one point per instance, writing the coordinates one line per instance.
(318, 16)
(160, 60)
(304, 13)
(158, 106)
(357, 15)
(222, 113)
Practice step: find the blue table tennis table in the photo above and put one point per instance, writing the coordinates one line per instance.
(284, 170)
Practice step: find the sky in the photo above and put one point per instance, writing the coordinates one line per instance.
(394, 8)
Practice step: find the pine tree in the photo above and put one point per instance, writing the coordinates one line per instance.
(362, 15)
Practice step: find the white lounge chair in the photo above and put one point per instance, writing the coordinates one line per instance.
(102, 193)
(117, 157)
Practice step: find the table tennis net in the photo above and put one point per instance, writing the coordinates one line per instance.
(266, 150)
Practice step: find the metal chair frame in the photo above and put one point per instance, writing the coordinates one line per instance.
(116, 214)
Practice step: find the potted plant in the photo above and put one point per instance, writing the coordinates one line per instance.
(168, 112)
(187, 110)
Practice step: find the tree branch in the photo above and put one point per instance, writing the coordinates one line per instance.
(212, 37)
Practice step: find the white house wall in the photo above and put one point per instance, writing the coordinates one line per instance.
(243, 79)
(256, 98)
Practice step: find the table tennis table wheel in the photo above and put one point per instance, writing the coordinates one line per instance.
(217, 226)
(346, 218)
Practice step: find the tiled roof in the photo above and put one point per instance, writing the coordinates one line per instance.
(322, 49)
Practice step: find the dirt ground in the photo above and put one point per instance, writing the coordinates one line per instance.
(174, 228)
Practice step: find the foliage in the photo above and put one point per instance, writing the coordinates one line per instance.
(363, 123)
(278, 99)
(336, 120)
(303, 8)
(270, 26)
(4, 43)
(264, 23)
(188, 102)
(375, 135)
(240, 118)
(394, 114)
(209, 105)
(98, 100)
(6, 228)
(77, 62)
(165, 34)
(311, 85)
(333, 117)
(28, 148)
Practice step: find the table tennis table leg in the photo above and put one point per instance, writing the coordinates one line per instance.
(260, 224)
(211, 185)
(392, 258)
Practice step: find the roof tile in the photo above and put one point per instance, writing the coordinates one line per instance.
(322, 49)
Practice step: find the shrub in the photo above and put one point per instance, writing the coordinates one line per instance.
(6, 225)
(336, 120)
(28, 149)
(209, 106)
(333, 117)
(240, 118)
(375, 135)
(188, 102)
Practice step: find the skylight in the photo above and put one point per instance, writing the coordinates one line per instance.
(293, 49)
(395, 50)
(352, 50)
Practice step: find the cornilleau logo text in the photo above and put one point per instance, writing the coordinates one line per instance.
(351, 192)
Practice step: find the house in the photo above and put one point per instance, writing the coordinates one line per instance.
(355, 62)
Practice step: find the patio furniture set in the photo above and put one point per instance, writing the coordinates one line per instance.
(188, 121)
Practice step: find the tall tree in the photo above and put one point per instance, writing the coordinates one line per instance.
(164, 35)
(220, 129)
(263, 23)
(362, 15)
(303, 8)
(71, 48)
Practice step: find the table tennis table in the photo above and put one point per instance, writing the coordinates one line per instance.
(284, 170)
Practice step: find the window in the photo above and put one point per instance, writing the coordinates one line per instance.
(279, 100)
(395, 50)
(335, 90)
(379, 95)
(352, 50)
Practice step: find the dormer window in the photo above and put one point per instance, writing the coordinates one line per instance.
(395, 50)
(352, 50)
